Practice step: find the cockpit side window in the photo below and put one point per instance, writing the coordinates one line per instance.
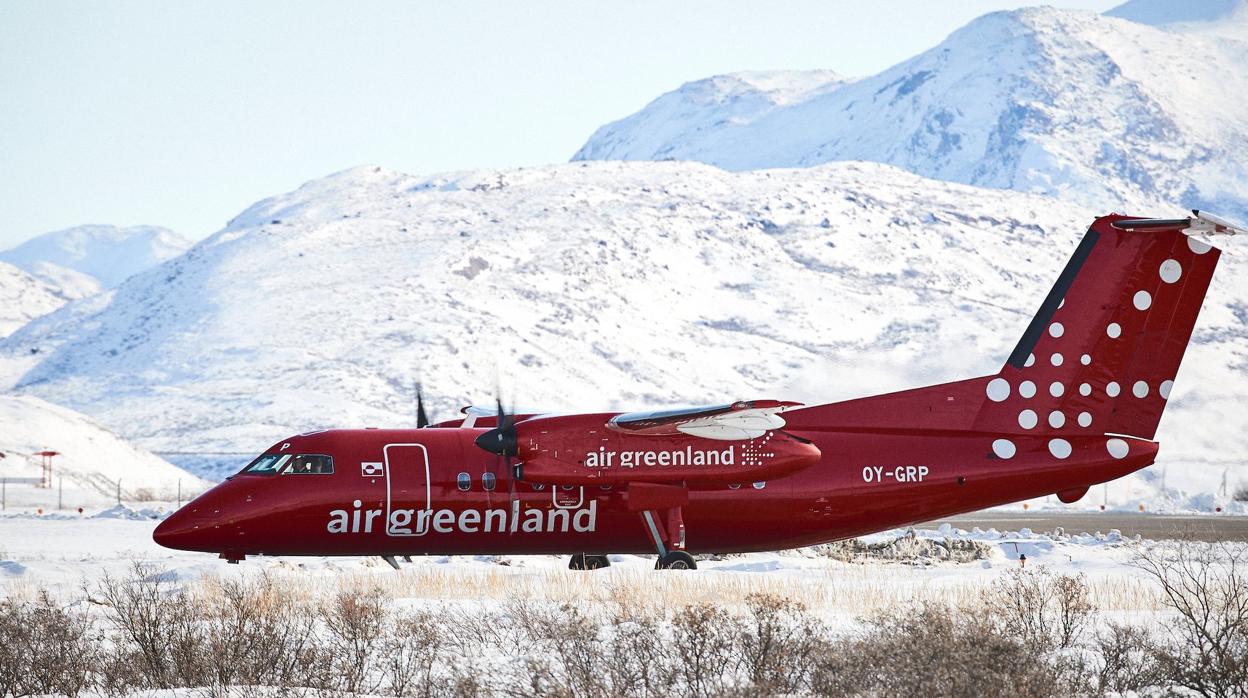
(310, 465)
(268, 464)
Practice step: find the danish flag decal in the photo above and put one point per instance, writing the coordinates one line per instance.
(372, 469)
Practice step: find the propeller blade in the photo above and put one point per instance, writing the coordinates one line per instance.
(422, 419)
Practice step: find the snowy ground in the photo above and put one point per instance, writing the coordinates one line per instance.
(65, 553)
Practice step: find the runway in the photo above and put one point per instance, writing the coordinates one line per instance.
(1212, 527)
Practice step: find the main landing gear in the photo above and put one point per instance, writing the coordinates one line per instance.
(676, 560)
(582, 561)
(660, 509)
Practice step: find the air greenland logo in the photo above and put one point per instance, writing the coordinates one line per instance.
(602, 458)
(418, 522)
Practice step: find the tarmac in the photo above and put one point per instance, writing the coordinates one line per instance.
(1206, 527)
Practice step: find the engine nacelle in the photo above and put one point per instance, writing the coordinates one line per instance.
(569, 451)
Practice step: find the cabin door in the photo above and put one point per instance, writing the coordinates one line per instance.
(407, 490)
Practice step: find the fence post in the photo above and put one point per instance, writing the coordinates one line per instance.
(179, 493)
(119, 491)
(60, 492)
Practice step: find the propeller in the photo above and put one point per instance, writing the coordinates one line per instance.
(503, 441)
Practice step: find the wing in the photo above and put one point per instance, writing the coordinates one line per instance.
(746, 419)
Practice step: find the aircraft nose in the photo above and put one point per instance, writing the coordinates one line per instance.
(178, 532)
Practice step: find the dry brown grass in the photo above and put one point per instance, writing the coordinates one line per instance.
(836, 589)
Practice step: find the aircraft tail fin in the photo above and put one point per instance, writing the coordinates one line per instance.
(1102, 353)
(1099, 357)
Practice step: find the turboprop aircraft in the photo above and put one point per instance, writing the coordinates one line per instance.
(1076, 403)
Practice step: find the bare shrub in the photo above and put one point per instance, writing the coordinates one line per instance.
(1043, 610)
(702, 657)
(1207, 587)
(156, 636)
(637, 646)
(933, 650)
(568, 649)
(356, 621)
(1127, 660)
(1241, 494)
(411, 652)
(44, 648)
(778, 641)
(254, 633)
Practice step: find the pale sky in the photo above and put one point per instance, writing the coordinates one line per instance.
(182, 114)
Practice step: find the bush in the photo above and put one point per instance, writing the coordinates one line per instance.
(44, 649)
(934, 650)
(1044, 611)
(1207, 588)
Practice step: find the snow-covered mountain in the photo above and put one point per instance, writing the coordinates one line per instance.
(23, 298)
(84, 259)
(1225, 17)
(673, 126)
(1102, 111)
(590, 285)
(91, 461)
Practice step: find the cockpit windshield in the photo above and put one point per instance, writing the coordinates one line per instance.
(291, 464)
(268, 464)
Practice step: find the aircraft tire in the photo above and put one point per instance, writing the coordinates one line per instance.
(583, 561)
(676, 560)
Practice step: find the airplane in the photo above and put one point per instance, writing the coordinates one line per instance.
(1076, 403)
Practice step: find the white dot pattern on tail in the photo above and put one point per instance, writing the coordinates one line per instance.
(1004, 448)
(1170, 271)
(998, 389)
(1117, 448)
(1060, 448)
(1027, 419)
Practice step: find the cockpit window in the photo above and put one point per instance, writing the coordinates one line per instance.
(310, 465)
(291, 464)
(267, 464)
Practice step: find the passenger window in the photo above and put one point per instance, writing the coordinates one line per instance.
(759, 485)
(464, 482)
(539, 486)
(566, 488)
(487, 481)
(735, 486)
(310, 465)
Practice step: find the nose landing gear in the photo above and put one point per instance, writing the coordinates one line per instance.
(583, 561)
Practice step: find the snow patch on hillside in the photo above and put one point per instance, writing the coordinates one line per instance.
(24, 297)
(91, 458)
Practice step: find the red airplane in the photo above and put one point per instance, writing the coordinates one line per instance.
(1076, 404)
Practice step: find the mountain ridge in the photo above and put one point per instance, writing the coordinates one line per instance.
(1094, 109)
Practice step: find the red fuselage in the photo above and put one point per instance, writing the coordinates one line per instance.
(373, 502)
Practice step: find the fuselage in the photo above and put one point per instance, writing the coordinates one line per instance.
(433, 492)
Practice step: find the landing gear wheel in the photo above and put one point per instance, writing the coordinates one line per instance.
(676, 560)
(582, 561)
